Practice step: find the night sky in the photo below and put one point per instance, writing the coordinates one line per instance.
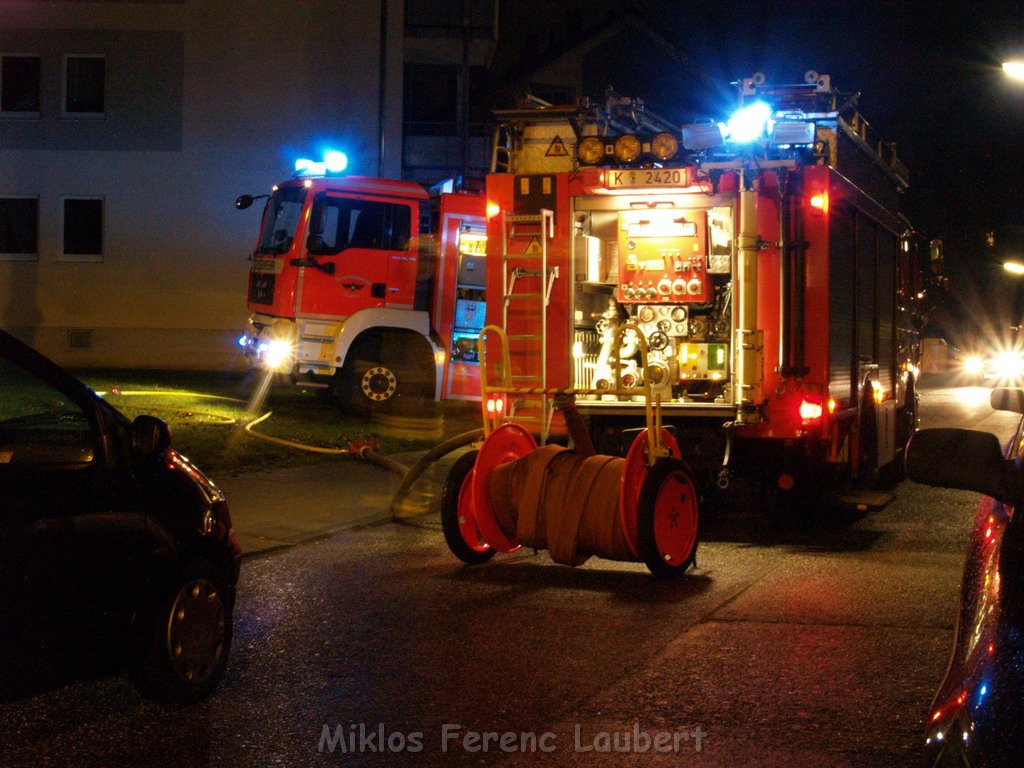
(929, 73)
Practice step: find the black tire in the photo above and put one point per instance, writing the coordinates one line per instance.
(374, 382)
(664, 470)
(187, 637)
(450, 512)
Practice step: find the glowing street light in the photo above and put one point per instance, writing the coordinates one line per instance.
(1014, 69)
(1014, 267)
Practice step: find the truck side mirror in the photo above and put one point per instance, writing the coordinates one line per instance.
(244, 201)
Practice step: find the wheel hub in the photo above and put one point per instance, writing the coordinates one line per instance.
(379, 383)
(196, 631)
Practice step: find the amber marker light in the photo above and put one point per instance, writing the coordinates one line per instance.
(820, 201)
(493, 209)
(664, 146)
(590, 150)
(627, 148)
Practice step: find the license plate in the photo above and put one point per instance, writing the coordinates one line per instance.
(648, 177)
(268, 266)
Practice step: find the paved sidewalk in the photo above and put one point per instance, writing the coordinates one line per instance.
(278, 509)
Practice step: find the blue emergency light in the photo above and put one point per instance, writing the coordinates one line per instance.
(747, 123)
(333, 162)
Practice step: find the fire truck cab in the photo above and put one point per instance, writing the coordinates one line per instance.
(764, 260)
(368, 287)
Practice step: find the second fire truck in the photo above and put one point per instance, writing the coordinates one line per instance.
(764, 260)
(370, 288)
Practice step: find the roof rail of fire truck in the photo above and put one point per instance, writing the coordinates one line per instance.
(817, 100)
(616, 114)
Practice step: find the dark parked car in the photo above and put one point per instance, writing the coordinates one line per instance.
(977, 717)
(114, 549)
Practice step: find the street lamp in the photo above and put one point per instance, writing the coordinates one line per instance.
(1014, 69)
(1014, 267)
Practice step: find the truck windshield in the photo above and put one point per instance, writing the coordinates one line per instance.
(282, 219)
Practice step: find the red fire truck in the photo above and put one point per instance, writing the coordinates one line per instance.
(371, 288)
(764, 260)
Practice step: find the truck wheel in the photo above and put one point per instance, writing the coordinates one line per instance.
(370, 382)
(460, 533)
(667, 519)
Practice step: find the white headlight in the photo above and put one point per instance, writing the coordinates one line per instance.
(1008, 364)
(278, 354)
(973, 364)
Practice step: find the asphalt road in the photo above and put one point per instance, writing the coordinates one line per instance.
(818, 645)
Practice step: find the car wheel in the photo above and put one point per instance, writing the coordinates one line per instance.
(189, 638)
(460, 532)
(667, 519)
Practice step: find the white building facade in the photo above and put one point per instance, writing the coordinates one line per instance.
(127, 130)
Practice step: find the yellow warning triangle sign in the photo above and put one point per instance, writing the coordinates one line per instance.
(533, 246)
(557, 148)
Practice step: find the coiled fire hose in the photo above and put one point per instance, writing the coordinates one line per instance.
(558, 500)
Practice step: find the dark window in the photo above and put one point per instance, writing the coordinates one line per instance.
(281, 219)
(431, 99)
(19, 84)
(351, 223)
(19, 222)
(83, 227)
(84, 85)
(38, 423)
(431, 105)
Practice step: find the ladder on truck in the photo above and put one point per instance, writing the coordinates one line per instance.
(526, 284)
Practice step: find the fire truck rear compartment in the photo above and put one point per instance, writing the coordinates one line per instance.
(666, 265)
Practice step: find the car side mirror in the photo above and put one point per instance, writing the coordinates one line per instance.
(964, 459)
(1007, 399)
(150, 436)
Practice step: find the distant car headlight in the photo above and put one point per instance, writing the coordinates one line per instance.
(278, 354)
(1008, 364)
(973, 364)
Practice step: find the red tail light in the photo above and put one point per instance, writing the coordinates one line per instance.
(496, 406)
(810, 410)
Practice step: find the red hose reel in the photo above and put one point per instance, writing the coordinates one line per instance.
(512, 493)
